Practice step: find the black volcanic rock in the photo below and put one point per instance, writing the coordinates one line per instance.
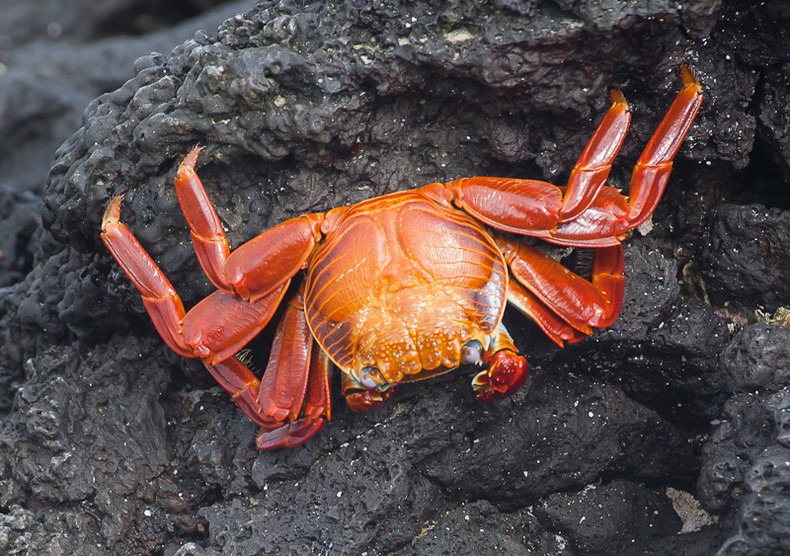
(110, 443)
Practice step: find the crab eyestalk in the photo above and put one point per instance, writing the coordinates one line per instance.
(505, 374)
(472, 352)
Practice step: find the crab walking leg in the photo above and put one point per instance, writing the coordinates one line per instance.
(284, 381)
(315, 413)
(534, 207)
(245, 388)
(582, 304)
(256, 267)
(537, 208)
(588, 214)
(506, 370)
(552, 325)
(652, 170)
(214, 329)
(610, 214)
(159, 297)
(528, 207)
(590, 172)
(208, 238)
(293, 371)
(531, 207)
(241, 384)
(221, 324)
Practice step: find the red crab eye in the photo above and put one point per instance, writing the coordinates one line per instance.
(471, 352)
(370, 377)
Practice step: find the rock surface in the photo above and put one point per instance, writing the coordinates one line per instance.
(667, 433)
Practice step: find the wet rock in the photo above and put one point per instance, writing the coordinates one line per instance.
(758, 358)
(19, 220)
(55, 57)
(745, 467)
(746, 262)
(586, 517)
(112, 443)
(479, 528)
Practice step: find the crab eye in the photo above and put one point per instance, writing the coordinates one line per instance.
(370, 377)
(471, 352)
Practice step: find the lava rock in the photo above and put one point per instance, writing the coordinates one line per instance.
(479, 528)
(758, 358)
(88, 430)
(19, 221)
(55, 57)
(618, 517)
(745, 467)
(746, 262)
(111, 443)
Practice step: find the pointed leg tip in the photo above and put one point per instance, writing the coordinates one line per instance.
(689, 79)
(289, 435)
(618, 99)
(189, 161)
(112, 214)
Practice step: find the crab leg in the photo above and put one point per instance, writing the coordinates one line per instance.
(160, 299)
(587, 213)
(245, 388)
(294, 369)
(284, 381)
(535, 207)
(316, 410)
(296, 380)
(609, 217)
(213, 330)
(221, 324)
(240, 383)
(551, 324)
(590, 172)
(651, 172)
(582, 304)
(256, 267)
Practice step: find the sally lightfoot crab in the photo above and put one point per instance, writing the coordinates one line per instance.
(405, 286)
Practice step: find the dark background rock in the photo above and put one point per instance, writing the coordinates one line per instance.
(673, 419)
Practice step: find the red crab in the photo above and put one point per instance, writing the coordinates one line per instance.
(405, 286)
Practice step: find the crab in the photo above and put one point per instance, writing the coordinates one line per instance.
(405, 286)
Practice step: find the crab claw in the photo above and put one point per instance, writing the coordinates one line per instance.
(362, 401)
(505, 374)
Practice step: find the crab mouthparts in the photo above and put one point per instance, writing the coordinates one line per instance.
(471, 353)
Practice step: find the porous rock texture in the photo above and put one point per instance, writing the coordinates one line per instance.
(667, 433)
